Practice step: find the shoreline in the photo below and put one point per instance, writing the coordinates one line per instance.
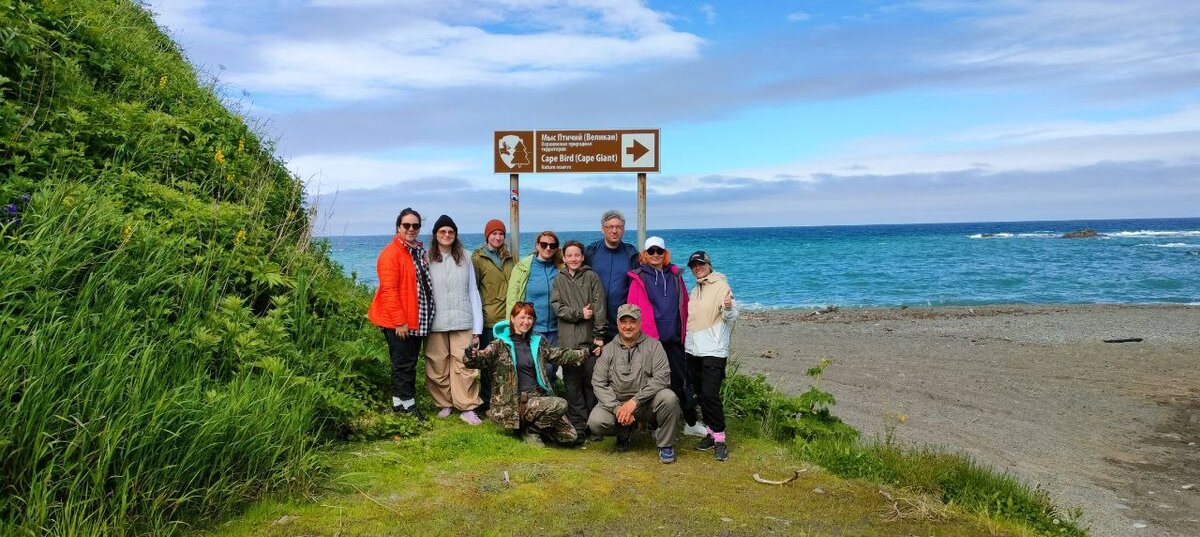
(1029, 389)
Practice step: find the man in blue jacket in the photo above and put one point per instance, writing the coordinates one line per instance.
(611, 258)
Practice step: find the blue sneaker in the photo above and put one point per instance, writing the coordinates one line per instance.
(666, 455)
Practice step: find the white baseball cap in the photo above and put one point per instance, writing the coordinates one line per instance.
(655, 241)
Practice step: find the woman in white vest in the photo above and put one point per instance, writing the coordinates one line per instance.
(457, 323)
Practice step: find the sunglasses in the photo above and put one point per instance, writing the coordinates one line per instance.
(548, 245)
(407, 225)
(654, 250)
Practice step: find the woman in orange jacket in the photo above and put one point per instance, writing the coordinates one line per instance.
(403, 307)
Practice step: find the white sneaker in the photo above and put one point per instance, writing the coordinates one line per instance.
(699, 429)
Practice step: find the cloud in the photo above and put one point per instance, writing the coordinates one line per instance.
(1099, 190)
(349, 51)
(710, 13)
(798, 16)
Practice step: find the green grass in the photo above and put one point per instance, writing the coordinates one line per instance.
(451, 481)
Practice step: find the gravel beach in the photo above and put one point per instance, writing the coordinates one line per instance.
(1110, 427)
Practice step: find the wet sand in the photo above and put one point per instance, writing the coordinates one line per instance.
(1113, 428)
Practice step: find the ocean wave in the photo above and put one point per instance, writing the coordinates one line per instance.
(991, 236)
(1155, 234)
(1171, 245)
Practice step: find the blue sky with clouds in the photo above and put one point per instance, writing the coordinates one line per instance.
(771, 112)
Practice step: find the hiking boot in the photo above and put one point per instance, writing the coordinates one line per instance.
(706, 443)
(666, 455)
(445, 412)
(622, 444)
(699, 429)
(720, 451)
(533, 439)
(470, 417)
(411, 411)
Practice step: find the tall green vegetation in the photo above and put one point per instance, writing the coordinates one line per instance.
(171, 344)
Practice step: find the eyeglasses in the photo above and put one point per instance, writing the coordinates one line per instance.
(654, 250)
(614, 226)
(523, 303)
(407, 225)
(446, 231)
(548, 245)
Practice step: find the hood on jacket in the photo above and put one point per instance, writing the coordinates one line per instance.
(567, 272)
(503, 332)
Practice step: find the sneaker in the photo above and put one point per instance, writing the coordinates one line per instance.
(445, 412)
(533, 439)
(706, 443)
(699, 429)
(720, 451)
(411, 411)
(666, 455)
(470, 417)
(622, 444)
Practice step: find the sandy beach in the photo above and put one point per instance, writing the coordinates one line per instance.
(1113, 428)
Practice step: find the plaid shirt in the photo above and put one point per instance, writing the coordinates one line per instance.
(425, 308)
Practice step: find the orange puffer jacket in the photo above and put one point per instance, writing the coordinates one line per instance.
(395, 301)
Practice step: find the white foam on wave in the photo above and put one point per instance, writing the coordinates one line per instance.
(1155, 234)
(991, 236)
(1171, 245)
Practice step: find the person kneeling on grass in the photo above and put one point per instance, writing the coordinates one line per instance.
(632, 382)
(521, 393)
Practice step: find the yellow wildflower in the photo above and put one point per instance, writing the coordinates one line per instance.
(291, 214)
(241, 145)
(126, 232)
(240, 238)
(220, 156)
(69, 201)
(162, 81)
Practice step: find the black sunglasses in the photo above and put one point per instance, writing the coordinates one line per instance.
(407, 225)
(548, 245)
(654, 250)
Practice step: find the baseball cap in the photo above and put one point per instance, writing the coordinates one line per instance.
(699, 256)
(629, 310)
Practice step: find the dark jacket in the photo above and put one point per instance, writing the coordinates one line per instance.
(568, 296)
(611, 266)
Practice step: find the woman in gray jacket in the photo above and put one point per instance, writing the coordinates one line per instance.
(577, 297)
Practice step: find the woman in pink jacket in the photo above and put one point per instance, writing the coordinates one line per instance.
(657, 287)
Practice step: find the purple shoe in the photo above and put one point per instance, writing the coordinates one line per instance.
(470, 417)
(445, 412)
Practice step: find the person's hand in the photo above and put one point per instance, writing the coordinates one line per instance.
(597, 346)
(402, 331)
(475, 340)
(624, 413)
(587, 311)
(729, 299)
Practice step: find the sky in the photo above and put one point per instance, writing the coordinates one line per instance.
(771, 113)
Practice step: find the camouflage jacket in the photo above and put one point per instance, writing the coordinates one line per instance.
(499, 357)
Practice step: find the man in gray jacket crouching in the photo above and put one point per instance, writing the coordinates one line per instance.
(632, 382)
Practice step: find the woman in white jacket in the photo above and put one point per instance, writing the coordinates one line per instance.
(711, 314)
(457, 323)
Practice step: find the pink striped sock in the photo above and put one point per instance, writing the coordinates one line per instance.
(719, 437)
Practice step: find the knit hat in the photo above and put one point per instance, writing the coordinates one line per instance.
(493, 225)
(445, 221)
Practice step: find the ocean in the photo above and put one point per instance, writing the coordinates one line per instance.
(1145, 261)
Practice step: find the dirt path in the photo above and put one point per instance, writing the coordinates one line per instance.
(1113, 428)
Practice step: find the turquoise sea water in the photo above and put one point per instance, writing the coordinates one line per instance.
(1132, 261)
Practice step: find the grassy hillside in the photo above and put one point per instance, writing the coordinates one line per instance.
(173, 344)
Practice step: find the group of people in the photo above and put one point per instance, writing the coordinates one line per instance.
(636, 349)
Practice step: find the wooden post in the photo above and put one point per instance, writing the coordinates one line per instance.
(641, 208)
(514, 215)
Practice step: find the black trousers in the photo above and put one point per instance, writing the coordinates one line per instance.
(580, 397)
(705, 375)
(679, 380)
(485, 374)
(404, 353)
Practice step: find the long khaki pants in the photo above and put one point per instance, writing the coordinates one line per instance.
(450, 384)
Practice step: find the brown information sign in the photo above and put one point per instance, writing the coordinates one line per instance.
(601, 151)
(576, 151)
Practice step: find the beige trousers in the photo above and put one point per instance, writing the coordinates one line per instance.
(450, 384)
